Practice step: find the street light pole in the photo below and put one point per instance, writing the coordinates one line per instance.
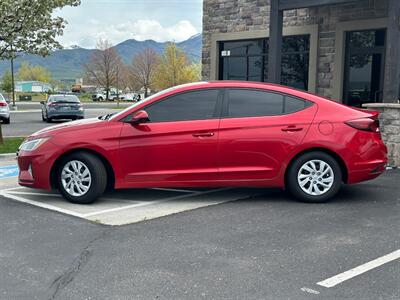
(12, 77)
(12, 82)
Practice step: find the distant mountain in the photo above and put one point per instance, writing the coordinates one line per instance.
(67, 63)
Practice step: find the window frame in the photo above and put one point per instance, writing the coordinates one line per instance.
(225, 106)
(216, 114)
(224, 61)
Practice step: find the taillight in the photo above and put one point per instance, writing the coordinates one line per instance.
(3, 103)
(366, 124)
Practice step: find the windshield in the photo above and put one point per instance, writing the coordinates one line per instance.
(66, 98)
(140, 102)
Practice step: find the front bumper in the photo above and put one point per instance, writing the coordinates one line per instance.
(35, 167)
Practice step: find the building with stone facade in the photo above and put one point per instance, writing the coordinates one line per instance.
(346, 50)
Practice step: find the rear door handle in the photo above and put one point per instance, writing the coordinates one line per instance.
(292, 129)
(203, 134)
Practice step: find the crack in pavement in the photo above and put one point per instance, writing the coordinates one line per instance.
(68, 276)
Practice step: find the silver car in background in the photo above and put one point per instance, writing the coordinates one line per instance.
(62, 107)
(4, 110)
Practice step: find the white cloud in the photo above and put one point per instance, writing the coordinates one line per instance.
(87, 36)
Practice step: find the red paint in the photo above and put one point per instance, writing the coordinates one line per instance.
(218, 152)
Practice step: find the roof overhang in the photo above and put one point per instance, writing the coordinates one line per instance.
(294, 4)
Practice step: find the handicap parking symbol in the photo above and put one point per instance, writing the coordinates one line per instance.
(9, 171)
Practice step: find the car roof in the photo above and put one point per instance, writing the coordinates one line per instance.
(247, 84)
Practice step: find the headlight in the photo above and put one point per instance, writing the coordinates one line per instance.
(32, 144)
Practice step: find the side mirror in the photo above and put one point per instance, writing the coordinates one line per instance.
(140, 117)
(42, 102)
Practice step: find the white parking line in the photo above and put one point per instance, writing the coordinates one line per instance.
(60, 196)
(32, 194)
(152, 202)
(335, 280)
(16, 195)
(40, 204)
(174, 190)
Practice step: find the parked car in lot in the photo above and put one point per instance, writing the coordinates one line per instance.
(62, 107)
(103, 96)
(210, 135)
(4, 110)
(129, 97)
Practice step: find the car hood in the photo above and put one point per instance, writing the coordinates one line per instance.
(69, 126)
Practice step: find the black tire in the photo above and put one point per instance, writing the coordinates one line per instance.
(296, 190)
(100, 99)
(49, 120)
(7, 121)
(43, 118)
(98, 175)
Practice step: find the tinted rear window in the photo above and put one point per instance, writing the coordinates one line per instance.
(258, 103)
(69, 99)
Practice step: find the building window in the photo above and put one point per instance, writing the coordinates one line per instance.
(364, 67)
(248, 60)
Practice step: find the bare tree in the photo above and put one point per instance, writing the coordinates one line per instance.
(103, 67)
(142, 69)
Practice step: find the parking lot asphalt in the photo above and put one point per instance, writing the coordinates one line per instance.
(263, 245)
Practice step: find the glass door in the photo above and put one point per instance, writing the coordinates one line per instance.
(364, 68)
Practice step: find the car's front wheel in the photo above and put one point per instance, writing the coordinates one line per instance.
(314, 177)
(81, 178)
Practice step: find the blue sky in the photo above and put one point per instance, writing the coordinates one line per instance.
(119, 20)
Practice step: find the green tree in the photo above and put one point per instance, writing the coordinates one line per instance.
(6, 84)
(174, 69)
(29, 26)
(36, 73)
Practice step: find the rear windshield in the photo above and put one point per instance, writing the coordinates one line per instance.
(66, 98)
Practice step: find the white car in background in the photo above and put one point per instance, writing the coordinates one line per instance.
(129, 97)
(4, 110)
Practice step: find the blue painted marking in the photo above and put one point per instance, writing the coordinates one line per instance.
(9, 171)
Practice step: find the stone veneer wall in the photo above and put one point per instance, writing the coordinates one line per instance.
(390, 129)
(222, 16)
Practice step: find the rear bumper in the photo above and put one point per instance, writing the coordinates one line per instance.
(370, 163)
(66, 115)
(367, 171)
(4, 115)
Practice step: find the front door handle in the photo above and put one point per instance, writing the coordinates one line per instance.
(292, 128)
(203, 134)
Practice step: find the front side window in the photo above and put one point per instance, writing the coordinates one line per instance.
(195, 105)
(257, 103)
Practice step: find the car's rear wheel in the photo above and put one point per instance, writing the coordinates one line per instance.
(7, 121)
(81, 178)
(314, 177)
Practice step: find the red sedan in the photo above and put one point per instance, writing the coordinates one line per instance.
(210, 134)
